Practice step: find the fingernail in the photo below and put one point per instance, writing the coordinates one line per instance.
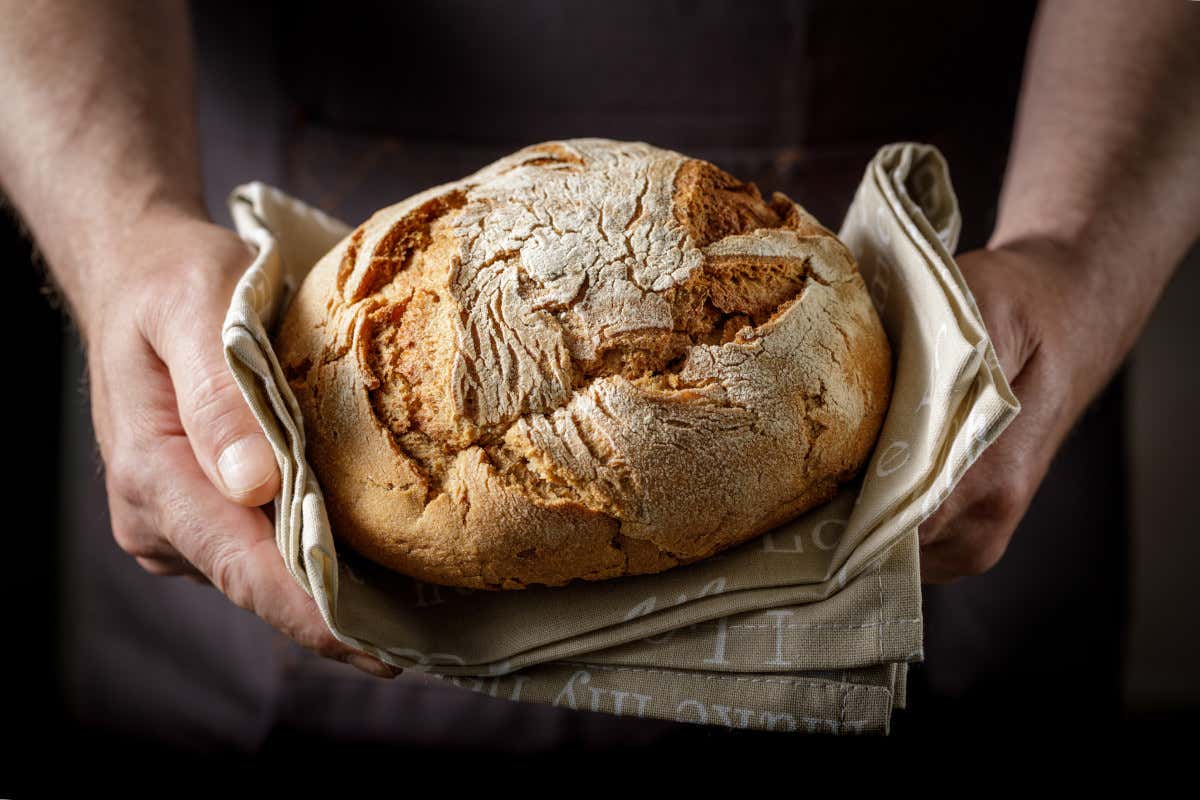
(373, 666)
(246, 464)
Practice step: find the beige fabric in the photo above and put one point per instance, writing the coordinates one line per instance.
(807, 628)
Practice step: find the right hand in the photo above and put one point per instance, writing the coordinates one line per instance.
(186, 463)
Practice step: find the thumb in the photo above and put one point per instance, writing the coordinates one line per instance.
(226, 439)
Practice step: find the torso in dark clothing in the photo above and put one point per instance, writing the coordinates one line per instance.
(354, 106)
(793, 95)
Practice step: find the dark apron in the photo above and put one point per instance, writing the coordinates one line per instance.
(353, 108)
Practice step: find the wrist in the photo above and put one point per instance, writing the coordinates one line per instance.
(1088, 314)
(96, 249)
(110, 220)
(1067, 266)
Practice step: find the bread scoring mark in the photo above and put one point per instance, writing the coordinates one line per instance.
(405, 340)
(711, 204)
(391, 255)
(556, 154)
(528, 263)
(569, 456)
(346, 267)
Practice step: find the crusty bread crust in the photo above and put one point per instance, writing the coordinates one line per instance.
(588, 359)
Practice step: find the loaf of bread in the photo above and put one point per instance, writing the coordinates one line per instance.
(589, 359)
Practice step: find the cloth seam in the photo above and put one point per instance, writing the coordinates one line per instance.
(879, 582)
(811, 625)
(798, 682)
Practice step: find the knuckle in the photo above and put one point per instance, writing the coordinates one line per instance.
(227, 574)
(223, 562)
(225, 259)
(216, 404)
(135, 537)
(126, 538)
(125, 478)
(218, 556)
(1008, 315)
(326, 645)
(983, 559)
(973, 564)
(159, 567)
(1004, 504)
(134, 541)
(141, 541)
(156, 307)
(317, 638)
(211, 394)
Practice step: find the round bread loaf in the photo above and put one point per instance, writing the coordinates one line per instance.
(588, 359)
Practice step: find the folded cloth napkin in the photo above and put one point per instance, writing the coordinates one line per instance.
(807, 628)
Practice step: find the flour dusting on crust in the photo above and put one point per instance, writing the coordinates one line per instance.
(588, 359)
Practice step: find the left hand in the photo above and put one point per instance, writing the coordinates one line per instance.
(1041, 317)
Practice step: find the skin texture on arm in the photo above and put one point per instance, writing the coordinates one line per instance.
(1101, 201)
(98, 129)
(98, 153)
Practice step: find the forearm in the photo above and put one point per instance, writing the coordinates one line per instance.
(1105, 163)
(97, 129)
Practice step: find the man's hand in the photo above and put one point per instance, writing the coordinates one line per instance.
(98, 153)
(1099, 206)
(186, 462)
(1031, 297)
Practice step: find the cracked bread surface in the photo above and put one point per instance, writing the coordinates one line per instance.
(589, 359)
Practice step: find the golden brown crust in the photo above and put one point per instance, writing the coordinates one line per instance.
(589, 359)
